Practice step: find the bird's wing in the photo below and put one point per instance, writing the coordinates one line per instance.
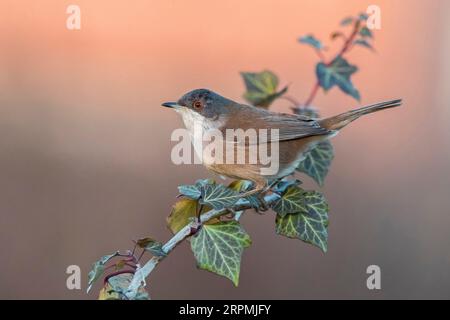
(289, 126)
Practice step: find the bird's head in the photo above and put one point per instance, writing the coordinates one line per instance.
(201, 103)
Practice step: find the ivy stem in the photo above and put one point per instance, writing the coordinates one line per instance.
(312, 95)
(180, 236)
(291, 99)
(320, 55)
(345, 48)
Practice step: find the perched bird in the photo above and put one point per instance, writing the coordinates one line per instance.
(296, 134)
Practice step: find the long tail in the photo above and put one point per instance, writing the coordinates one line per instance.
(343, 119)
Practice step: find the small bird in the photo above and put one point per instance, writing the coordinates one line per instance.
(296, 134)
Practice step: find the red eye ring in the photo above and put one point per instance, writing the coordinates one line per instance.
(198, 105)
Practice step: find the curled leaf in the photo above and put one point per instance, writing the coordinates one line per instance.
(363, 43)
(312, 41)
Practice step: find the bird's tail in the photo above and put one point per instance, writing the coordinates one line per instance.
(343, 119)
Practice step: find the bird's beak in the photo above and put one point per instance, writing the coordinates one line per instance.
(171, 105)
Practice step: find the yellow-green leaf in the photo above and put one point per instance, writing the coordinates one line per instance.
(182, 214)
(261, 88)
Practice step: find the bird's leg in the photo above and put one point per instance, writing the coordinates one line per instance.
(260, 190)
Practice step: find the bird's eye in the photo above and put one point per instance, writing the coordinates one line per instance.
(198, 105)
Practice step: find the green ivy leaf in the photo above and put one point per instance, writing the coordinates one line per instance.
(190, 191)
(309, 226)
(218, 196)
(156, 249)
(283, 185)
(312, 41)
(292, 201)
(218, 248)
(261, 88)
(195, 191)
(337, 73)
(363, 43)
(98, 268)
(317, 161)
(365, 32)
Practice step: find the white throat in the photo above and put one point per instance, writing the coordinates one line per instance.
(194, 121)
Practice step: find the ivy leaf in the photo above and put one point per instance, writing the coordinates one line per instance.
(346, 21)
(309, 226)
(182, 214)
(364, 43)
(292, 201)
(318, 158)
(282, 186)
(203, 182)
(218, 248)
(152, 246)
(98, 268)
(116, 287)
(261, 88)
(365, 32)
(317, 161)
(218, 196)
(156, 249)
(190, 191)
(337, 73)
(312, 41)
(195, 191)
(363, 17)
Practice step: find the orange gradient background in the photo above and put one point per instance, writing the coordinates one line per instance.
(85, 147)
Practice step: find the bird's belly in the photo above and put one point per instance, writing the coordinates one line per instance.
(290, 154)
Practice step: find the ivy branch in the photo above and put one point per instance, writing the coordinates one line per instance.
(186, 232)
(328, 73)
(208, 214)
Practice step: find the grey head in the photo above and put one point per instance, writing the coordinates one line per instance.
(203, 102)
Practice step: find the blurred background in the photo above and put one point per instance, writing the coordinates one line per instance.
(85, 146)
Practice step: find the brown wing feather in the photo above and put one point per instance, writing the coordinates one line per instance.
(290, 126)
